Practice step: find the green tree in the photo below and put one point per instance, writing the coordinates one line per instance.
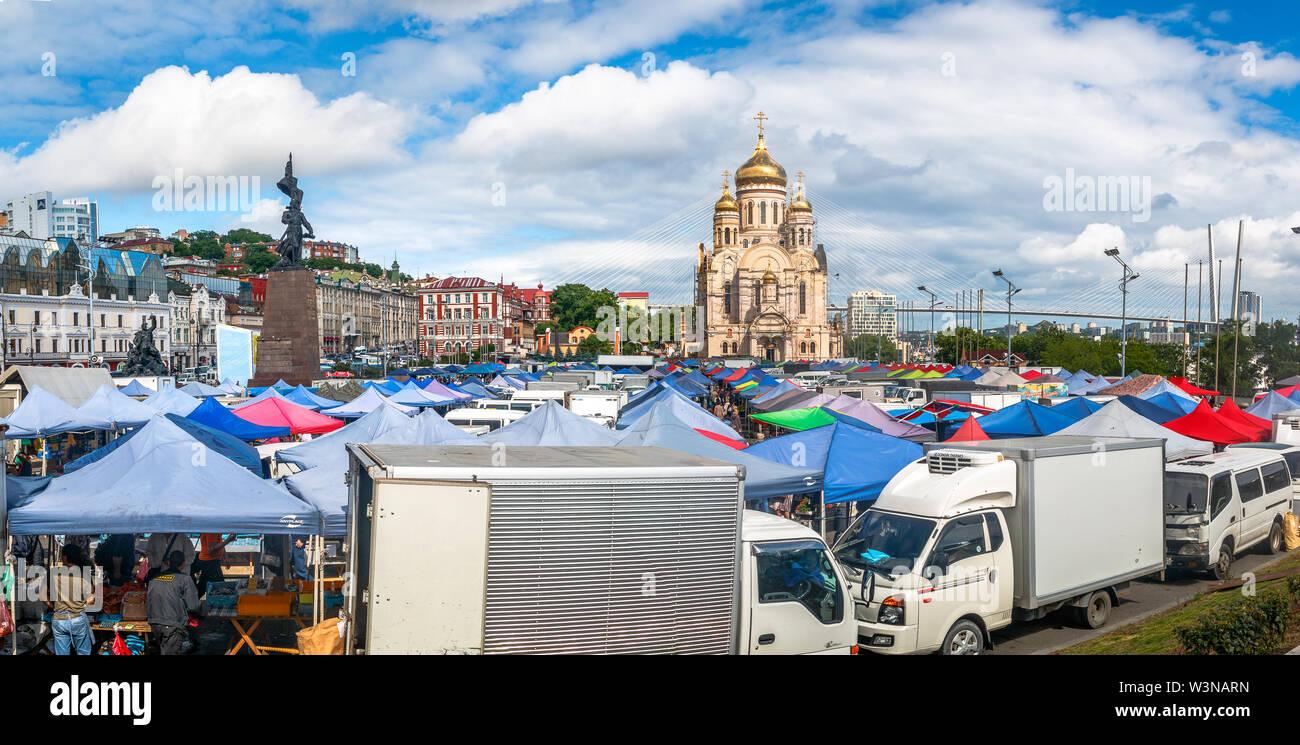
(1249, 368)
(864, 347)
(969, 340)
(258, 262)
(594, 345)
(574, 305)
(244, 235)
(1279, 357)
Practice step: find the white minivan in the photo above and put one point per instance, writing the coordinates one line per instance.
(493, 419)
(1218, 506)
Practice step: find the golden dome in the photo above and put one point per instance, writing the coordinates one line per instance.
(768, 277)
(760, 168)
(800, 203)
(726, 203)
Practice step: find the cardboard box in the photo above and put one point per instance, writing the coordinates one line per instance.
(134, 606)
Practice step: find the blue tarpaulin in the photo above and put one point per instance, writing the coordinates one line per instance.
(551, 424)
(201, 390)
(476, 389)
(159, 482)
(228, 445)
(212, 414)
(1024, 419)
(306, 398)
(1172, 402)
(856, 463)
(375, 426)
(763, 478)
(686, 411)
(1272, 403)
(1152, 411)
(412, 394)
(1077, 408)
(111, 405)
(42, 413)
(170, 400)
(135, 388)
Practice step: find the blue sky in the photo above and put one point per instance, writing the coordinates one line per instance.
(543, 141)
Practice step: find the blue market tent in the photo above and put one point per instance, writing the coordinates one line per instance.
(1077, 388)
(134, 388)
(704, 383)
(400, 372)
(763, 478)
(1076, 408)
(628, 371)
(386, 387)
(476, 389)
(304, 397)
(424, 372)
(260, 397)
(1169, 401)
(452, 368)
(367, 402)
(1152, 411)
(782, 388)
(551, 424)
(1165, 386)
(20, 489)
(455, 388)
(383, 425)
(840, 451)
(200, 390)
(684, 410)
(228, 445)
(413, 395)
(1272, 403)
(154, 484)
(171, 401)
(212, 414)
(506, 383)
(111, 405)
(42, 413)
(231, 387)
(1024, 419)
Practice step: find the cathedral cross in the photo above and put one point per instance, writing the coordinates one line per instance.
(760, 119)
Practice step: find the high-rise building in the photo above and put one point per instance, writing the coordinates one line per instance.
(40, 216)
(1250, 303)
(873, 312)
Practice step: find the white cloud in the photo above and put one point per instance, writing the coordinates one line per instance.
(241, 123)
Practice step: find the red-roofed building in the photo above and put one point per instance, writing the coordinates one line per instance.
(997, 357)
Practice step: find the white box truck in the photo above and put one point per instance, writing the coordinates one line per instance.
(977, 535)
(578, 550)
(601, 407)
(1286, 427)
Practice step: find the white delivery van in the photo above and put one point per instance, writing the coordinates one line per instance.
(1291, 454)
(600, 406)
(912, 397)
(1219, 505)
(509, 404)
(578, 550)
(977, 535)
(491, 418)
(810, 378)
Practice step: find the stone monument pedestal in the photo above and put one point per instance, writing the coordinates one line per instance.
(289, 346)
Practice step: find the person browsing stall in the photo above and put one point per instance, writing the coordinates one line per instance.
(207, 567)
(72, 595)
(170, 600)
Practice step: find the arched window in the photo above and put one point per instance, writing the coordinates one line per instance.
(733, 347)
(751, 213)
(758, 292)
(762, 212)
(726, 297)
(803, 297)
(776, 212)
(812, 347)
(726, 235)
(803, 347)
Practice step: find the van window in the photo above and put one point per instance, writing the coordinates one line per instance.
(1249, 485)
(491, 424)
(1276, 476)
(1186, 492)
(1293, 464)
(995, 531)
(1220, 494)
(799, 574)
(961, 538)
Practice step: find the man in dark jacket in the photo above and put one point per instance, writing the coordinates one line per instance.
(171, 600)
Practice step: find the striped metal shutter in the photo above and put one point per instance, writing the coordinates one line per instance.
(612, 567)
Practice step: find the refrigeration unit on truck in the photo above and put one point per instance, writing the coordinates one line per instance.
(601, 407)
(1286, 427)
(1220, 505)
(977, 535)
(578, 550)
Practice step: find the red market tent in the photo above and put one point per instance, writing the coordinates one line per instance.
(969, 431)
(1204, 424)
(1249, 422)
(277, 412)
(1031, 374)
(1189, 388)
(737, 375)
(1287, 391)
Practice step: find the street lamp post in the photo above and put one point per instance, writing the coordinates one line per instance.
(1128, 276)
(1011, 292)
(934, 302)
(89, 267)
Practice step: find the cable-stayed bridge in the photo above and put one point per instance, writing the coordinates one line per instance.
(660, 259)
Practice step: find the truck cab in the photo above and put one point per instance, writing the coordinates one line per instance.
(912, 397)
(797, 597)
(929, 573)
(1218, 506)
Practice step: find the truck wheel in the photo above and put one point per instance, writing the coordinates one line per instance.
(1095, 614)
(1223, 567)
(963, 638)
(1274, 542)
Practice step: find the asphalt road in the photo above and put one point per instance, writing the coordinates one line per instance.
(1143, 598)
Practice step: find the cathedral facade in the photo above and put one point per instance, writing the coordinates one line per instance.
(762, 285)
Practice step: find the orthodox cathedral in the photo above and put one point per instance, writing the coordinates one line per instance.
(762, 287)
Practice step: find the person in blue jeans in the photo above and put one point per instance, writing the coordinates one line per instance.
(71, 595)
(299, 556)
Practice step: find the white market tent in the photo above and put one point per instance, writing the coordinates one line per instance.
(1117, 420)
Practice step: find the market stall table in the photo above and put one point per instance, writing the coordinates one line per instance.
(129, 627)
(246, 634)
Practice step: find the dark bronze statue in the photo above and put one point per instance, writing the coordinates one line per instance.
(296, 225)
(143, 358)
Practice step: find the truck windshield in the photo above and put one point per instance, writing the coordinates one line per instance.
(1186, 493)
(883, 540)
